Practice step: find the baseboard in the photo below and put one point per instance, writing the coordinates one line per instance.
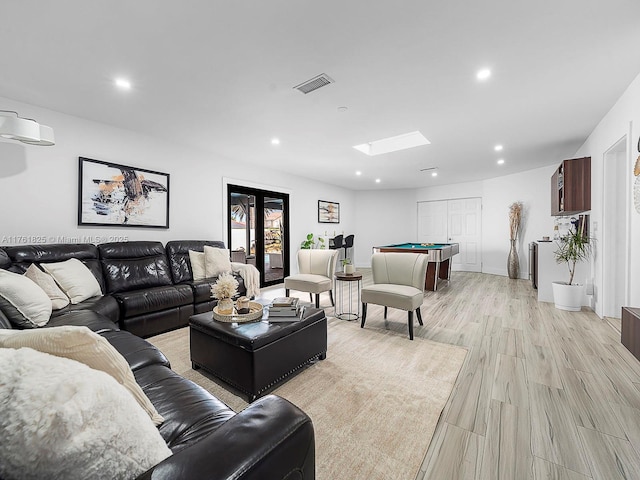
(503, 273)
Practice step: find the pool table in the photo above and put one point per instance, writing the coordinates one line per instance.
(440, 255)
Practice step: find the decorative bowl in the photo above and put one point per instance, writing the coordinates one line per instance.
(254, 315)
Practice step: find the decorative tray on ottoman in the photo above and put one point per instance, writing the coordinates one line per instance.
(254, 315)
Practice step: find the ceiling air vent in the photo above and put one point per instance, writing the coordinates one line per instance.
(314, 84)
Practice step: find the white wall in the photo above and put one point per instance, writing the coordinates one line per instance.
(39, 185)
(623, 119)
(532, 188)
(446, 192)
(390, 216)
(383, 217)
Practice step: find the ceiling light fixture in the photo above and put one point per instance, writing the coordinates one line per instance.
(434, 174)
(358, 173)
(275, 141)
(483, 74)
(498, 148)
(378, 180)
(123, 83)
(26, 130)
(393, 144)
(501, 161)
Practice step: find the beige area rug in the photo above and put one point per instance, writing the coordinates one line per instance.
(374, 401)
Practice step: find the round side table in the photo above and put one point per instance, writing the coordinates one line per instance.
(344, 303)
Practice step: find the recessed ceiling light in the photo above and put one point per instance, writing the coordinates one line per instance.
(498, 148)
(377, 180)
(393, 144)
(483, 74)
(434, 174)
(358, 173)
(342, 109)
(123, 83)
(275, 141)
(501, 161)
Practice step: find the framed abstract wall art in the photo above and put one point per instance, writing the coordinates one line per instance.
(113, 194)
(328, 212)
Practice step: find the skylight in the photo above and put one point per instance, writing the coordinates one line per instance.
(393, 144)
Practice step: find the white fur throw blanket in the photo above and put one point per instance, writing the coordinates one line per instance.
(250, 275)
(62, 419)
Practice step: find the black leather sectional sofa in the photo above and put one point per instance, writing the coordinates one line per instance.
(149, 289)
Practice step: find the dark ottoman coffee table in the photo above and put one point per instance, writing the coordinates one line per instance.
(256, 357)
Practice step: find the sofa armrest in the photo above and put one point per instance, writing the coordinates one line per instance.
(271, 438)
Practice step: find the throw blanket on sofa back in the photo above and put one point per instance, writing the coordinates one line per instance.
(250, 275)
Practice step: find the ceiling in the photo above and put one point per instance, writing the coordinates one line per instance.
(219, 76)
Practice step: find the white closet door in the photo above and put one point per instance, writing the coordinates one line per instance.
(432, 222)
(465, 225)
(454, 221)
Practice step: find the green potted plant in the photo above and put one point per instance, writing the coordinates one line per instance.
(310, 242)
(347, 267)
(573, 247)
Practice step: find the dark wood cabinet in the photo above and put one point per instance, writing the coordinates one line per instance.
(571, 187)
(631, 330)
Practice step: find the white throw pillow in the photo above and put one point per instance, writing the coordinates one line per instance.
(84, 346)
(216, 261)
(62, 419)
(48, 284)
(23, 302)
(74, 278)
(197, 265)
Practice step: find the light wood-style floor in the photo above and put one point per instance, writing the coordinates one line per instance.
(543, 393)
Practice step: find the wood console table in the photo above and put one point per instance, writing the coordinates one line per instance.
(631, 330)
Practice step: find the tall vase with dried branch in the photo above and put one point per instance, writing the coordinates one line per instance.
(515, 218)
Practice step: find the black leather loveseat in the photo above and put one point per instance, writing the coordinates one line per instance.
(270, 439)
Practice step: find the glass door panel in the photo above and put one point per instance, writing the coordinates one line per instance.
(258, 231)
(273, 236)
(243, 228)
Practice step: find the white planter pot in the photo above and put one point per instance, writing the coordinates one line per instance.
(568, 297)
(349, 269)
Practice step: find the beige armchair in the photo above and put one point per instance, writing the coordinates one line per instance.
(317, 268)
(398, 282)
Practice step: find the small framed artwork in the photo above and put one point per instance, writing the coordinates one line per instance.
(113, 194)
(328, 212)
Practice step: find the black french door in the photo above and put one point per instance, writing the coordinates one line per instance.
(258, 231)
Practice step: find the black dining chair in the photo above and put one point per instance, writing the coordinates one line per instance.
(337, 243)
(348, 243)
